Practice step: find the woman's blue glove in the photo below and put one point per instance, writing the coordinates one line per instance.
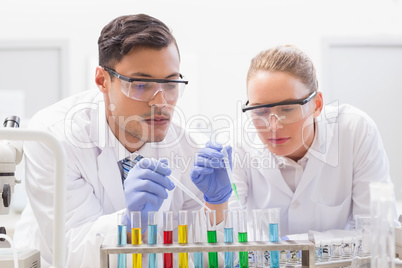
(209, 173)
(145, 188)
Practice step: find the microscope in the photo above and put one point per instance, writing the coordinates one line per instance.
(10, 156)
(11, 153)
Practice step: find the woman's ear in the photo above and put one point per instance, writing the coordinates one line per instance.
(100, 79)
(319, 104)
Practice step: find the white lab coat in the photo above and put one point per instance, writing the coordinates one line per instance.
(94, 186)
(346, 155)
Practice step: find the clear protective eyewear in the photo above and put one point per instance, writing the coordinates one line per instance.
(144, 89)
(286, 112)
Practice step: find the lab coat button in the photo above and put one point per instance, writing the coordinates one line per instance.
(295, 204)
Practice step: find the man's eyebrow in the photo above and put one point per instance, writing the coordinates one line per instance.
(139, 74)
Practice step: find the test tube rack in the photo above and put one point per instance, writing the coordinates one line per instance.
(307, 248)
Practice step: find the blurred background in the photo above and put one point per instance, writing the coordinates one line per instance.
(48, 50)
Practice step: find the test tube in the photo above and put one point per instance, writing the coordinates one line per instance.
(258, 236)
(121, 238)
(348, 247)
(136, 237)
(168, 238)
(211, 235)
(336, 249)
(325, 250)
(152, 237)
(243, 255)
(317, 252)
(228, 236)
(183, 223)
(198, 236)
(273, 219)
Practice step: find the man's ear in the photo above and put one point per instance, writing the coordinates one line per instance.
(319, 104)
(100, 79)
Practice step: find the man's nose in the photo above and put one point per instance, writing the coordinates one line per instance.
(158, 100)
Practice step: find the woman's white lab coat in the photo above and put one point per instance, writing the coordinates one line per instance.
(346, 155)
(94, 185)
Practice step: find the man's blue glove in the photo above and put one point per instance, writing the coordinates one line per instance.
(145, 188)
(209, 173)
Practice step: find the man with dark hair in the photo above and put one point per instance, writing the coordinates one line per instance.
(105, 134)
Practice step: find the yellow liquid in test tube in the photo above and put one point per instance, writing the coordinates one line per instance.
(136, 240)
(183, 257)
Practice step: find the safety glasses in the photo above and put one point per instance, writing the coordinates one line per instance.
(143, 89)
(286, 112)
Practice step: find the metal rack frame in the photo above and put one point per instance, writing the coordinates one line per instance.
(307, 248)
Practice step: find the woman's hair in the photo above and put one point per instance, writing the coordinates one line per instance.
(124, 33)
(288, 59)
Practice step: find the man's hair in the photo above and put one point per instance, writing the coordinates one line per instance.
(125, 33)
(288, 59)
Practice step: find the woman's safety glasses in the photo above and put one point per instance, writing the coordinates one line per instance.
(143, 89)
(286, 112)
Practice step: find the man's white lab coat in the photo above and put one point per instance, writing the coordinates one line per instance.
(346, 155)
(94, 185)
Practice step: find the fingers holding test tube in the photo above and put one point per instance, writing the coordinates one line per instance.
(146, 187)
(210, 176)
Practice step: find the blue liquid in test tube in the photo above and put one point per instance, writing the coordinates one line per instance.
(121, 239)
(274, 235)
(229, 256)
(152, 240)
(228, 219)
(152, 237)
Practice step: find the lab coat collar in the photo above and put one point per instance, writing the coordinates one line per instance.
(326, 133)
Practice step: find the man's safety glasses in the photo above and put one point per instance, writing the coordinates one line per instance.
(286, 112)
(144, 89)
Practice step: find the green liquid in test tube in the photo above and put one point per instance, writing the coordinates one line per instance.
(198, 236)
(230, 174)
(242, 235)
(211, 235)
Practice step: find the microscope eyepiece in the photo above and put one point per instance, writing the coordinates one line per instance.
(12, 121)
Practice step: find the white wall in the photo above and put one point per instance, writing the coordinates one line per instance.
(217, 38)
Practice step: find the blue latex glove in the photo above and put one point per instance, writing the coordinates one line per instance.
(145, 188)
(209, 173)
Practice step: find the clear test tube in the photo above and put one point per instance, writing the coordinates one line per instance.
(325, 247)
(242, 236)
(348, 247)
(183, 237)
(228, 218)
(317, 252)
(336, 249)
(136, 237)
(152, 237)
(258, 235)
(121, 238)
(168, 237)
(273, 219)
(198, 236)
(212, 238)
